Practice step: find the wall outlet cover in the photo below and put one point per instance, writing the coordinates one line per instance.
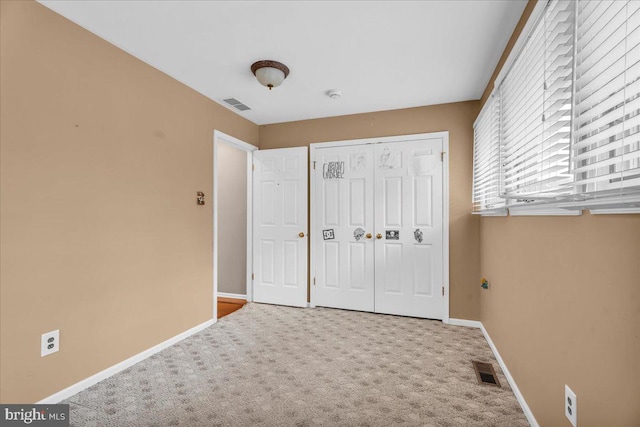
(570, 405)
(50, 343)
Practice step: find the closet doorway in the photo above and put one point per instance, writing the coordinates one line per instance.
(380, 225)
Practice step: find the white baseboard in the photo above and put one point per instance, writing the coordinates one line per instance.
(463, 322)
(230, 295)
(512, 382)
(94, 379)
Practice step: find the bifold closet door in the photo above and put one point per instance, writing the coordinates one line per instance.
(343, 210)
(378, 226)
(408, 222)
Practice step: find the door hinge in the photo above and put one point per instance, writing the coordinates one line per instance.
(442, 156)
(253, 276)
(253, 167)
(443, 291)
(314, 164)
(314, 281)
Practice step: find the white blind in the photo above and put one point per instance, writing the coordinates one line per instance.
(536, 97)
(486, 158)
(606, 146)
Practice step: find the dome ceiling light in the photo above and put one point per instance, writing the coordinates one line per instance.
(270, 73)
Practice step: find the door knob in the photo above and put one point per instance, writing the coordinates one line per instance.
(369, 235)
(378, 236)
(300, 234)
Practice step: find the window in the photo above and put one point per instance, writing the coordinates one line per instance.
(569, 127)
(486, 159)
(606, 149)
(536, 99)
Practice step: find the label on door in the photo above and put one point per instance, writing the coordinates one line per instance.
(393, 234)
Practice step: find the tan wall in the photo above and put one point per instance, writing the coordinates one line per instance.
(101, 237)
(563, 307)
(458, 120)
(232, 219)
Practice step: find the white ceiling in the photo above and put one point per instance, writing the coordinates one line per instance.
(383, 55)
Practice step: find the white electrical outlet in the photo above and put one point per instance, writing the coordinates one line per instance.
(571, 405)
(50, 343)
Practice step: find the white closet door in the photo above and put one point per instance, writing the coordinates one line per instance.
(408, 226)
(343, 210)
(280, 226)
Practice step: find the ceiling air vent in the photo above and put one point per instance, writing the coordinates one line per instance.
(237, 104)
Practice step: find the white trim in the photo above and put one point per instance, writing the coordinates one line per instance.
(445, 200)
(445, 223)
(362, 141)
(523, 211)
(238, 143)
(249, 280)
(217, 138)
(614, 211)
(533, 19)
(312, 236)
(464, 322)
(102, 375)
(498, 212)
(230, 295)
(512, 382)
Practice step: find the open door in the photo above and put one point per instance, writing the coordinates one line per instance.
(280, 230)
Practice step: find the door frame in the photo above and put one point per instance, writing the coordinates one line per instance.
(445, 202)
(221, 137)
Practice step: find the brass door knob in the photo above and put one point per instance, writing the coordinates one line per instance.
(378, 236)
(300, 234)
(369, 235)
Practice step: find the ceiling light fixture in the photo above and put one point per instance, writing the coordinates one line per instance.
(270, 73)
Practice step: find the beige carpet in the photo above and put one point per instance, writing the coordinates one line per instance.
(278, 366)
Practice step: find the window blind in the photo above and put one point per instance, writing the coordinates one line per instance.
(536, 97)
(606, 146)
(486, 158)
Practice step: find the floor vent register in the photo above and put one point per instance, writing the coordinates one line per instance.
(485, 373)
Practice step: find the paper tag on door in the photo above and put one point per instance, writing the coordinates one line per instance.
(422, 164)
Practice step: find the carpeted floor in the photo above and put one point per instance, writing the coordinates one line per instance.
(268, 365)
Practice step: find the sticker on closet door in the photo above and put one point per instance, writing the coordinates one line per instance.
(389, 160)
(333, 170)
(357, 162)
(358, 234)
(328, 234)
(422, 164)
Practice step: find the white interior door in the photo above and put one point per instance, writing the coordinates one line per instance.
(408, 223)
(343, 215)
(280, 226)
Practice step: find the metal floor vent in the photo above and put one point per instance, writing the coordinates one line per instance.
(237, 104)
(485, 373)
